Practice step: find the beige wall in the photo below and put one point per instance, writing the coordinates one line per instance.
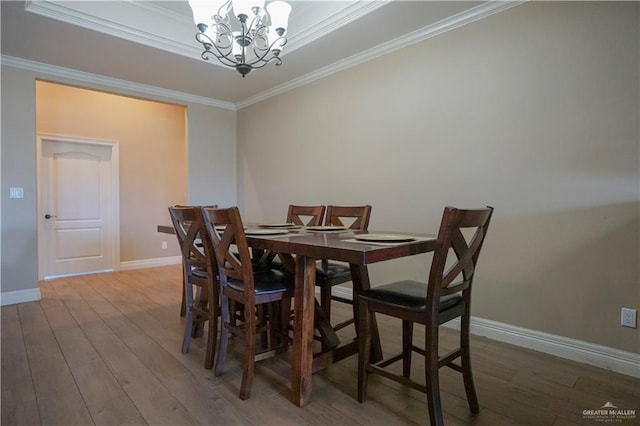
(153, 165)
(534, 111)
(18, 230)
(211, 135)
(211, 156)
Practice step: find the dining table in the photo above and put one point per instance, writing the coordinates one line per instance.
(358, 249)
(302, 247)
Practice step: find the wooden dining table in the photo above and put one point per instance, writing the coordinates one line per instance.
(308, 247)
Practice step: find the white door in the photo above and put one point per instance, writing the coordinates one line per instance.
(77, 214)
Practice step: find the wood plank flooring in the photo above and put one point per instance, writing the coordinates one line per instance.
(105, 349)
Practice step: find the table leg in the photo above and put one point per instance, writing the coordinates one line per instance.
(302, 354)
(360, 280)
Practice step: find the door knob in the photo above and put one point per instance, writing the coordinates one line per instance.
(48, 216)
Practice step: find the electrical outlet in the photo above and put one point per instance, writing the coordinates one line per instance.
(628, 318)
(164, 245)
(16, 192)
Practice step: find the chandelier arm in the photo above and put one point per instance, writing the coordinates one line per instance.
(283, 44)
(277, 60)
(257, 21)
(222, 30)
(282, 40)
(261, 56)
(223, 59)
(259, 52)
(224, 14)
(206, 41)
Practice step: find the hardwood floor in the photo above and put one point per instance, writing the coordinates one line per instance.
(105, 349)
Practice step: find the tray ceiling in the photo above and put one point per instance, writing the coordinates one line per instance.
(152, 43)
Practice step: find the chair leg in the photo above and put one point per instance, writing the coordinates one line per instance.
(249, 357)
(272, 322)
(263, 313)
(325, 304)
(199, 300)
(234, 311)
(213, 331)
(407, 342)
(224, 336)
(183, 304)
(432, 379)
(355, 318)
(325, 300)
(285, 319)
(277, 326)
(364, 348)
(189, 326)
(465, 360)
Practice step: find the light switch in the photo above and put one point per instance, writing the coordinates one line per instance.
(16, 192)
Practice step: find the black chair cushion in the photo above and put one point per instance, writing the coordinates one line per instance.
(410, 294)
(333, 272)
(276, 264)
(266, 282)
(200, 272)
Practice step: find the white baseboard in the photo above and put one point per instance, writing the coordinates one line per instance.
(19, 296)
(76, 274)
(575, 350)
(150, 263)
(340, 291)
(32, 295)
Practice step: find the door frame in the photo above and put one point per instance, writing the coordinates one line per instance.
(115, 193)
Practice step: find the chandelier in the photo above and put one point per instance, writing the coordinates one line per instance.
(248, 38)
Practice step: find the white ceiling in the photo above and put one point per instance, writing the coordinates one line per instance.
(152, 44)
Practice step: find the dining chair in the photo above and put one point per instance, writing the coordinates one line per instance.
(183, 305)
(305, 215)
(446, 296)
(331, 273)
(300, 216)
(199, 271)
(253, 289)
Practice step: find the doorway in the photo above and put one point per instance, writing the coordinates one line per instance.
(78, 207)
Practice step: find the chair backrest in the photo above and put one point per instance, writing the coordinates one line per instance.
(361, 214)
(305, 215)
(458, 276)
(224, 228)
(190, 231)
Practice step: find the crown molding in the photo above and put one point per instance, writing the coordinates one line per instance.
(113, 83)
(343, 17)
(68, 14)
(448, 24)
